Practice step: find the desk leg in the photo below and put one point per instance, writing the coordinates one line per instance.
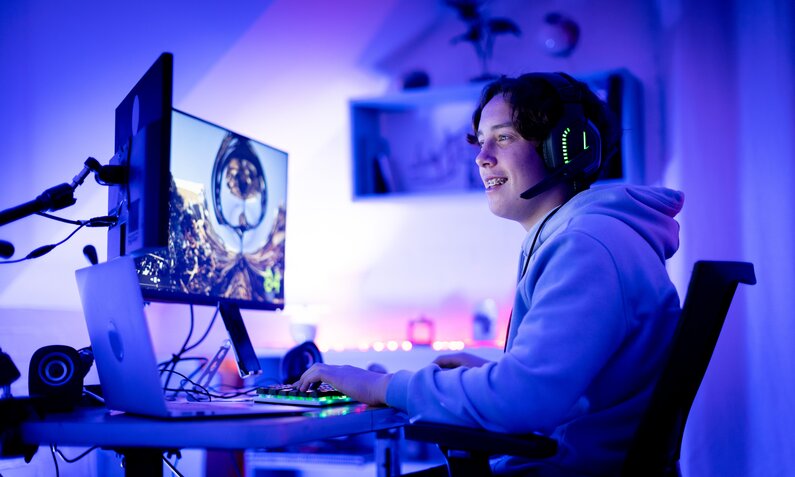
(387, 452)
(141, 462)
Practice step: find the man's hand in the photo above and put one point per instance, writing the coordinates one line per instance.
(364, 386)
(455, 360)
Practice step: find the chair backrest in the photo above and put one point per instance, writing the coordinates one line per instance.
(658, 440)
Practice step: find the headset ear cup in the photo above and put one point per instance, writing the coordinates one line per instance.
(577, 143)
(593, 140)
(553, 149)
(573, 147)
(56, 374)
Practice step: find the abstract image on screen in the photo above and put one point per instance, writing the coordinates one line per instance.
(227, 217)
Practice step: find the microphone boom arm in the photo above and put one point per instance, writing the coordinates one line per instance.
(54, 198)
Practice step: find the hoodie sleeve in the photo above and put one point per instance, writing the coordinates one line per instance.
(573, 324)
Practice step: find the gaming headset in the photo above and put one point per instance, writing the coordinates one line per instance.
(574, 146)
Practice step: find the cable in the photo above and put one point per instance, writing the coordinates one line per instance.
(191, 375)
(535, 239)
(197, 343)
(175, 358)
(203, 391)
(74, 459)
(59, 219)
(101, 221)
(94, 396)
(45, 249)
(172, 467)
(239, 392)
(57, 470)
(196, 386)
(170, 365)
(104, 221)
(54, 450)
(190, 331)
(187, 358)
(526, 263)
(207, 331)
(202, 364)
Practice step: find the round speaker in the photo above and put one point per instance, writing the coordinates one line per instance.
(298, 359)
(56, 373)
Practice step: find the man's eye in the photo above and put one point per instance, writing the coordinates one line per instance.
(502, 137)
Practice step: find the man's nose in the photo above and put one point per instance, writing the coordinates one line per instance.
(485, 157)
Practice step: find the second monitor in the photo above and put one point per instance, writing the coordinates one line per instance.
(203, 212)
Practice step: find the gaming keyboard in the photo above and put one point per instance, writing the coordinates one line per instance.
(323, 395)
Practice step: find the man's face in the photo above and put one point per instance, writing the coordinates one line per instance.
(508, 164)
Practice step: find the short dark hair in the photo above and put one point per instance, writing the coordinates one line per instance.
(537, 108)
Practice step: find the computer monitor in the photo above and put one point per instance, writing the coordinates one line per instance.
(142, 148)
(225, 209)
(227, 217)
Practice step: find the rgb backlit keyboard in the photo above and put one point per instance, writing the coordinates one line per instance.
(324, 395)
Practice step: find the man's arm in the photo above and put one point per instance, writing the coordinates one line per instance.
(454, 360)
(575, 322)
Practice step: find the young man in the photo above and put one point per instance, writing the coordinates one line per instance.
(594, 308)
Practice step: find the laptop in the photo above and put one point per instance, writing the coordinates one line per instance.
(114, 311)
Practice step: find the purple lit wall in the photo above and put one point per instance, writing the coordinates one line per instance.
(719, 118)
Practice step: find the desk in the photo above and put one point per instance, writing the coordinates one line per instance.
(143, 440)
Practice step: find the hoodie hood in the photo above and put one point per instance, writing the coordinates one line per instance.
(649, 211)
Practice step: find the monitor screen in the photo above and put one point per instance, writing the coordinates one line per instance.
(227, 217)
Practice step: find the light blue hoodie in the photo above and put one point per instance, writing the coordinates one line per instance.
(592, 320)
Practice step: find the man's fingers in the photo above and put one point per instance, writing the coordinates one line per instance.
(310, 376)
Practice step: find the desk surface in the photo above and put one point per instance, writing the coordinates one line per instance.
(89, 427)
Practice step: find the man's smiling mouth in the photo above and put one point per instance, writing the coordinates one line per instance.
(494, 182)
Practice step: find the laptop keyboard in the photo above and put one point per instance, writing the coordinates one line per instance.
(324, 395)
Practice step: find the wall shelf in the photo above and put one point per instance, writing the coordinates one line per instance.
(413, 142)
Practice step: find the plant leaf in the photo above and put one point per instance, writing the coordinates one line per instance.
(503, 25)
(473, 35)
(468, 10)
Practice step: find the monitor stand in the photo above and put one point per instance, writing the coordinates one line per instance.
(247, 360)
